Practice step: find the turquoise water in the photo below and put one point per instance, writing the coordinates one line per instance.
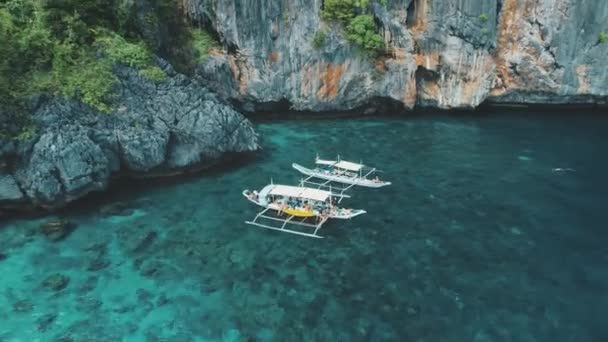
(494, 230)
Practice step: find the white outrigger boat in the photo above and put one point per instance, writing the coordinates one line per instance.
(340, 171)
(295, 205)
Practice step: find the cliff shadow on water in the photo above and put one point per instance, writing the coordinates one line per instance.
(386, 108)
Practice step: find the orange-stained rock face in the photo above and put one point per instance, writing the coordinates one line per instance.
(507, 35)
(273, 57)
(380, 66)
(430, 90)
(241, 72)
(330, 81)
(527, 55)
(428, 60)
(400, 55)
(521, 50)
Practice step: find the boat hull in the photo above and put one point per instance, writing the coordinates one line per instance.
(337, 213)
(340, 179)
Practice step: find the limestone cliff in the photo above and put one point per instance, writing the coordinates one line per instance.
(442, 53)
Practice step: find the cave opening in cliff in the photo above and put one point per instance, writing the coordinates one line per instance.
(410, 20)
(424, 74)
(412, 15)
(425, 79)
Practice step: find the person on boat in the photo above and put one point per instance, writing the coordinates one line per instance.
(377, 180)
(282, 207)
(323, 216)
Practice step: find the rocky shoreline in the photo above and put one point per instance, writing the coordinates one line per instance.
(127, 136)
(155, 129)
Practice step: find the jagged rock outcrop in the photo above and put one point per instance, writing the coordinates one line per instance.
(156, 129)
(445, 54)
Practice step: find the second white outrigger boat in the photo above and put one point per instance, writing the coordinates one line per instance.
(340, 171)
(295, 205)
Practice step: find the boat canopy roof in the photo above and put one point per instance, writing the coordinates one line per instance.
(345, 165)
(348, 165)
(300, 192)
(325, 162)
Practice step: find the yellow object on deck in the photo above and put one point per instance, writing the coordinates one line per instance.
(299, 212)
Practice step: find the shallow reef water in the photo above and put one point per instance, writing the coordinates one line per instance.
(494, 230)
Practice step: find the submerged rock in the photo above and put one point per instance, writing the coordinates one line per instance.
(56, 230)
(89, 285)
(3, 256)
(65, 338)
(23, 306)
(98, 247)
(162, 300)
(98, 263)
(56, 282)
(145, 242)
(44, 322)
(151, 270)
(87, 304)
(116, 209)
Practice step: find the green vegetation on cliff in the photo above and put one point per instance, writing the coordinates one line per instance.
(69, 48)
(318, 41)
(203, 43)
(361, 28)
(63, 47)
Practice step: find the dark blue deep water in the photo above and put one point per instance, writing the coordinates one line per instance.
(495, 229)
